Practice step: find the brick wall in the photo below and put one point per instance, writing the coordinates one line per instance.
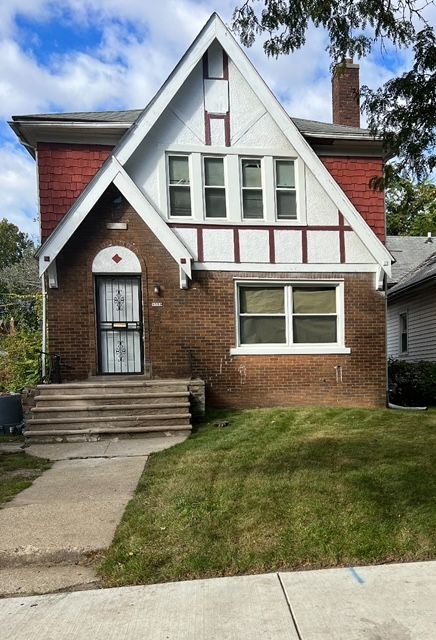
(354, 174)
(193, 331)
(64, 170)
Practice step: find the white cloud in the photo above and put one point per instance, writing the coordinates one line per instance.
(18, 188)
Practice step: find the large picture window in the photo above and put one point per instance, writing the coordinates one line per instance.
(179, 186)
(290, 317)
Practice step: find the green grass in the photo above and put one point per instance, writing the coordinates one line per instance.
(282, 489)
(17, 472)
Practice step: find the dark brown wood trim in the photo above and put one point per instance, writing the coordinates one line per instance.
(304, 245)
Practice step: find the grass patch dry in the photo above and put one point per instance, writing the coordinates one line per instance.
(17, 472)
(282, 489)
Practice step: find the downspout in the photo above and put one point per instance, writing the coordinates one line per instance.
(44, 330)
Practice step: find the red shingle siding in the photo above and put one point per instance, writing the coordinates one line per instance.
(64, 171)
(192, 333)
(354, 176)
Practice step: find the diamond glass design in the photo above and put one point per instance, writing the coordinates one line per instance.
(116, 258)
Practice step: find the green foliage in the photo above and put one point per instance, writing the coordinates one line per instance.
(13, 243)
(20, 288)
(410, 206)
(20, 359)
(412, 384)
(402, 111)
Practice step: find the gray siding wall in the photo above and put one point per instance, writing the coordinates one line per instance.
(421, 313)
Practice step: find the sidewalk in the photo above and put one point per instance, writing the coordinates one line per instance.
(50, 531)
(390, 602)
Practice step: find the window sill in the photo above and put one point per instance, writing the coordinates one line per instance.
(257, 350)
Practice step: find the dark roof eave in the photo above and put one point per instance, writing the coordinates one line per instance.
(394, 291)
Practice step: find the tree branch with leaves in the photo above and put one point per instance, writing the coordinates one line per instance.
(403, 111)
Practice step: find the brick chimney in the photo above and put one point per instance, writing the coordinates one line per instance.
(345, 94)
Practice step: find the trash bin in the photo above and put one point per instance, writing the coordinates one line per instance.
(11, 412)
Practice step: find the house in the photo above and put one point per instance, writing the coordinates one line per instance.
(411, 312)
(211, 236)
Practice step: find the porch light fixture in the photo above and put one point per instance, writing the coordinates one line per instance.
(157, 289)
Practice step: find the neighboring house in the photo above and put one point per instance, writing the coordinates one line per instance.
(411, 324)
(212, 236)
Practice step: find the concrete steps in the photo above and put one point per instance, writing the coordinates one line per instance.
(103, 407)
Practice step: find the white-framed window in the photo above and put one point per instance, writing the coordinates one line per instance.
(214, 187)
(285, 189)
(179, 186)
(404, 332)
(289, 317)
(251, 187)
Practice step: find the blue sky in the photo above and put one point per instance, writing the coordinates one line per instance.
(78, 55)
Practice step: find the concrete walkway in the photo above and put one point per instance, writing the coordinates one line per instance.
(391, 602)
(51, 531)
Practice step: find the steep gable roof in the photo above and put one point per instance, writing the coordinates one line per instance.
(213, 30)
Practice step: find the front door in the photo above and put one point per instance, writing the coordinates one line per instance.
(119, 324)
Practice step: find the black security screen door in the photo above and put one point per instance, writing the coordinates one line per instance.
(119, 325)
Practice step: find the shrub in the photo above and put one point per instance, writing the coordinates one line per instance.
(412, 383)
(20, 359)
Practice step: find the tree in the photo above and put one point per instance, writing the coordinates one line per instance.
(410, 206)
(403, 111)
(20, 287)
(13, 243)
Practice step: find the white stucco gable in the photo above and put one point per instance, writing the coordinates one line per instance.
(190, 114)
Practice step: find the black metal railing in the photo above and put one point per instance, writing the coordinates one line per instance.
(52, 373)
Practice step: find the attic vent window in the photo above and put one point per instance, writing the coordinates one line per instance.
(179, 186)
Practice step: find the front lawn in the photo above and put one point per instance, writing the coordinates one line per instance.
(282, 489)
(17, 472)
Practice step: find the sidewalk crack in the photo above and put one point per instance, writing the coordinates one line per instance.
(291, 612)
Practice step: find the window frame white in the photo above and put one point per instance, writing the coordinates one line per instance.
(261, 188)
(189, 186)
(290, 347)
(401, 315)
(205, 157)
(232, 185)
(293, 189)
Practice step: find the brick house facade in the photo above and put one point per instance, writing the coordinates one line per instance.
(236, 299)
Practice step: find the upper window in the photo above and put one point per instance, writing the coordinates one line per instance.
(252, 196)
(214, 188)
(286, 196)
(179, 186)
(289, 315)
(404, 334)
